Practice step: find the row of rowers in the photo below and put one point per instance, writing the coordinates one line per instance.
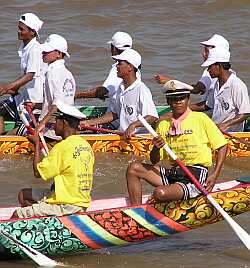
(45, 80)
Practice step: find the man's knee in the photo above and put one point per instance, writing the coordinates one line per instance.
(134, 168)
(160, 194)
(25, 197)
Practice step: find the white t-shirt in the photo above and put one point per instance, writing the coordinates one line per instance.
(59, 85)
(113, 82)
(31, 62)
(229, 101)
(132, 101)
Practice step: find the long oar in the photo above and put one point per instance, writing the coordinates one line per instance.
(103, 130)
(36, 256)
(241, 233)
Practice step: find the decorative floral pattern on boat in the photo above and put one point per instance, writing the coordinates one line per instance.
(199, 211)
(47, 235)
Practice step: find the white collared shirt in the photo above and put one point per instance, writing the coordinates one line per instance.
(229, 101)
(132, 101)
(113, 82)
(59, 85)
(31, 62)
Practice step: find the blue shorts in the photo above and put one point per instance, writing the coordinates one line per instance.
(177, 175)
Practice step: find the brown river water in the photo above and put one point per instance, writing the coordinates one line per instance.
(167, 34)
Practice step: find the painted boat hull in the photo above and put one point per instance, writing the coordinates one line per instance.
(121, 225)
(141, 146)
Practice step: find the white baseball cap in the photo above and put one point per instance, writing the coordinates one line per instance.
(121, 40)
(55, 42)
(67, 109)
(32, 21)
(131, 56)
(216, 54)
(217, 41)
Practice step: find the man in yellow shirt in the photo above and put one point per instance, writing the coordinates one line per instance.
(69, 164)
(192, 136)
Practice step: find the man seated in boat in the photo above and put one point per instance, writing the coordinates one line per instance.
(59, 81)
(28, 88)
(192, 136)
(133, 97)
(69, 163)
(229, 98)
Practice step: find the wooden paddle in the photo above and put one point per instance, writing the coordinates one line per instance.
(36, 256)
(241, 233)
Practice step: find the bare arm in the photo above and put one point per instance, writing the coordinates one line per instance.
(130, 130)
(199, 88)
(13, 87)
(47, 117)
(199, 107)
(37, 154)
(106, 118)
(155, 153)
(220, 158)
(97, 92)
(237, 119)
(162, 79)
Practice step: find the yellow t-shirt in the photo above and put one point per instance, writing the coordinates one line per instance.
(70, 163)
(200, 135)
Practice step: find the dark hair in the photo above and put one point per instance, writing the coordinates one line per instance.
(72, 121)
(225, 65)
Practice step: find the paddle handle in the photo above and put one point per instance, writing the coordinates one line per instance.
(32, 132)
(104, 130)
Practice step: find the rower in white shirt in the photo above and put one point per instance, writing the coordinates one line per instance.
(120, 42)
(59, 82)
(229, 99)
(133, 97)
(28, 88)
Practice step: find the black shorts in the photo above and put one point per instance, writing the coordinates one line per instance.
(177, 175)
(8, 109)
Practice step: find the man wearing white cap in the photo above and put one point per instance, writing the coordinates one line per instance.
(205, 82)
(32, 72)
(69, 163)
(133, 96)
(191, 136)
(120, 41)
(229, 99)
(59, 82)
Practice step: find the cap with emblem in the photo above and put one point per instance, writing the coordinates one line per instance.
(175, 88)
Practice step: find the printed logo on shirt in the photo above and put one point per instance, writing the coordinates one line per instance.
(68, 87)
(129, 110)
(224, 105)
